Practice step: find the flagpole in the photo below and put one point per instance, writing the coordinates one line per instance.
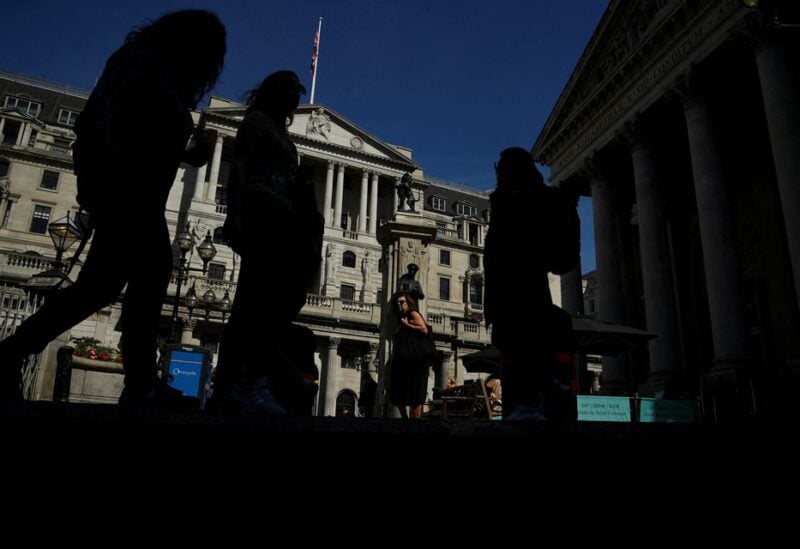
(316, 59)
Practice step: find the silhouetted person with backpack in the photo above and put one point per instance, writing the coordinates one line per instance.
(259, 368)
(534, 225)
(131, 137)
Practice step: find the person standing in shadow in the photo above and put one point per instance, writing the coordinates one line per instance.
(131, 137)
(517, 302)
(255, 373)
(408, 385)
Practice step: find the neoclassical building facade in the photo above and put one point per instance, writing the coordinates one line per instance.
(355, 176)
(682, 122)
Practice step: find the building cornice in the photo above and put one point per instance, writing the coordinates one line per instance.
(687, 30)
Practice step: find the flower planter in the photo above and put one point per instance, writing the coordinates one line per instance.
(95, 381)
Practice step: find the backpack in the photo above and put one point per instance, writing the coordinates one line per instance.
(564, 244)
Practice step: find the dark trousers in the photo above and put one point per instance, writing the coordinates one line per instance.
(269, 295)
(132, 249)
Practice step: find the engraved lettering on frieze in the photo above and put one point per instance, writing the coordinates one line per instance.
(647, 82)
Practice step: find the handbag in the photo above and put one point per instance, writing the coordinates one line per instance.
(431, 354)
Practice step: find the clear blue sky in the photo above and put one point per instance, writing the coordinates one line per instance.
(457, 81)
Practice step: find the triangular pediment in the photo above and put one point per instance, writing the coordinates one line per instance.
(14, 112)
(624, 29)
(321, 126)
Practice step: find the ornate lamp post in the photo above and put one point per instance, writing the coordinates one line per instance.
(64, 232)
(206, 251)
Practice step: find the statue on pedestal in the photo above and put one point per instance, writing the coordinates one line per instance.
(408, 283)
(405, 195)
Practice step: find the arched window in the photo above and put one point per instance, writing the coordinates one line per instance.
(346, 404)
(349, 259)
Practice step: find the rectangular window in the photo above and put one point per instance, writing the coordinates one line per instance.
(379, 297)
(28, 107)
(67, 117)
(444, 288)
(475, 292)
(216, 271)
(347, 292)
(444, 257)
(61, 145)
(49, 180)
(466, 210)
(439, 204)
(41, 217)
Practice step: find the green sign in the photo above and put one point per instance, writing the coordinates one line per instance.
(604, 408)
(653, 410)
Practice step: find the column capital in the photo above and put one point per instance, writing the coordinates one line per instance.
(593, 168)
(691, 88)
(636, 133)
(333, 342)
(330, 164)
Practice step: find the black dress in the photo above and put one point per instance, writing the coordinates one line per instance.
(409, 378)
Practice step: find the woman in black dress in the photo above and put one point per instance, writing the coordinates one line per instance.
(409, 373)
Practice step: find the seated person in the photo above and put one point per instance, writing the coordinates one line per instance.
(494, 386)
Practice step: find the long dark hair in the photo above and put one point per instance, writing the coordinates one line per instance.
(190, 42)
(268, 96)
(412, 303)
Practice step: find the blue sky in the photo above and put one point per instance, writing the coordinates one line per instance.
(457, 81)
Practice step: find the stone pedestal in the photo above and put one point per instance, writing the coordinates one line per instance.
(404, 240)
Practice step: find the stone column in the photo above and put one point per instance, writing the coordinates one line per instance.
(373, 205)
(717, 230)
(609, 276)
(25, 135)
(200, 182)
(326, 205)
(331, 367)
(572, 291)
(780, 91)
(187, 332)
(213, 179)
(337, 208)
(2, 127)
(659, 296)
(362, 210)
(443, 370)
(396, 200)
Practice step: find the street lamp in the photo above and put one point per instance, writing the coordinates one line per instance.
(206, 251)
(64, 232)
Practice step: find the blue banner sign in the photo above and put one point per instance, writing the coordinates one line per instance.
(653, 410)
(604, 408)
(187, 372)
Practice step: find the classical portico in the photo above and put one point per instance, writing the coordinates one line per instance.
(681, 121)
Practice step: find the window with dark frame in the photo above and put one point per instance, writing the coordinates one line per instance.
(216, 271)
(444, 257)
(347, 292)
(67, 117)
(40, 219)
(49, 180)
(444, 288)
(475, 292)
(3, 167)
(25, 105)
(474, 261)
(349, 259)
